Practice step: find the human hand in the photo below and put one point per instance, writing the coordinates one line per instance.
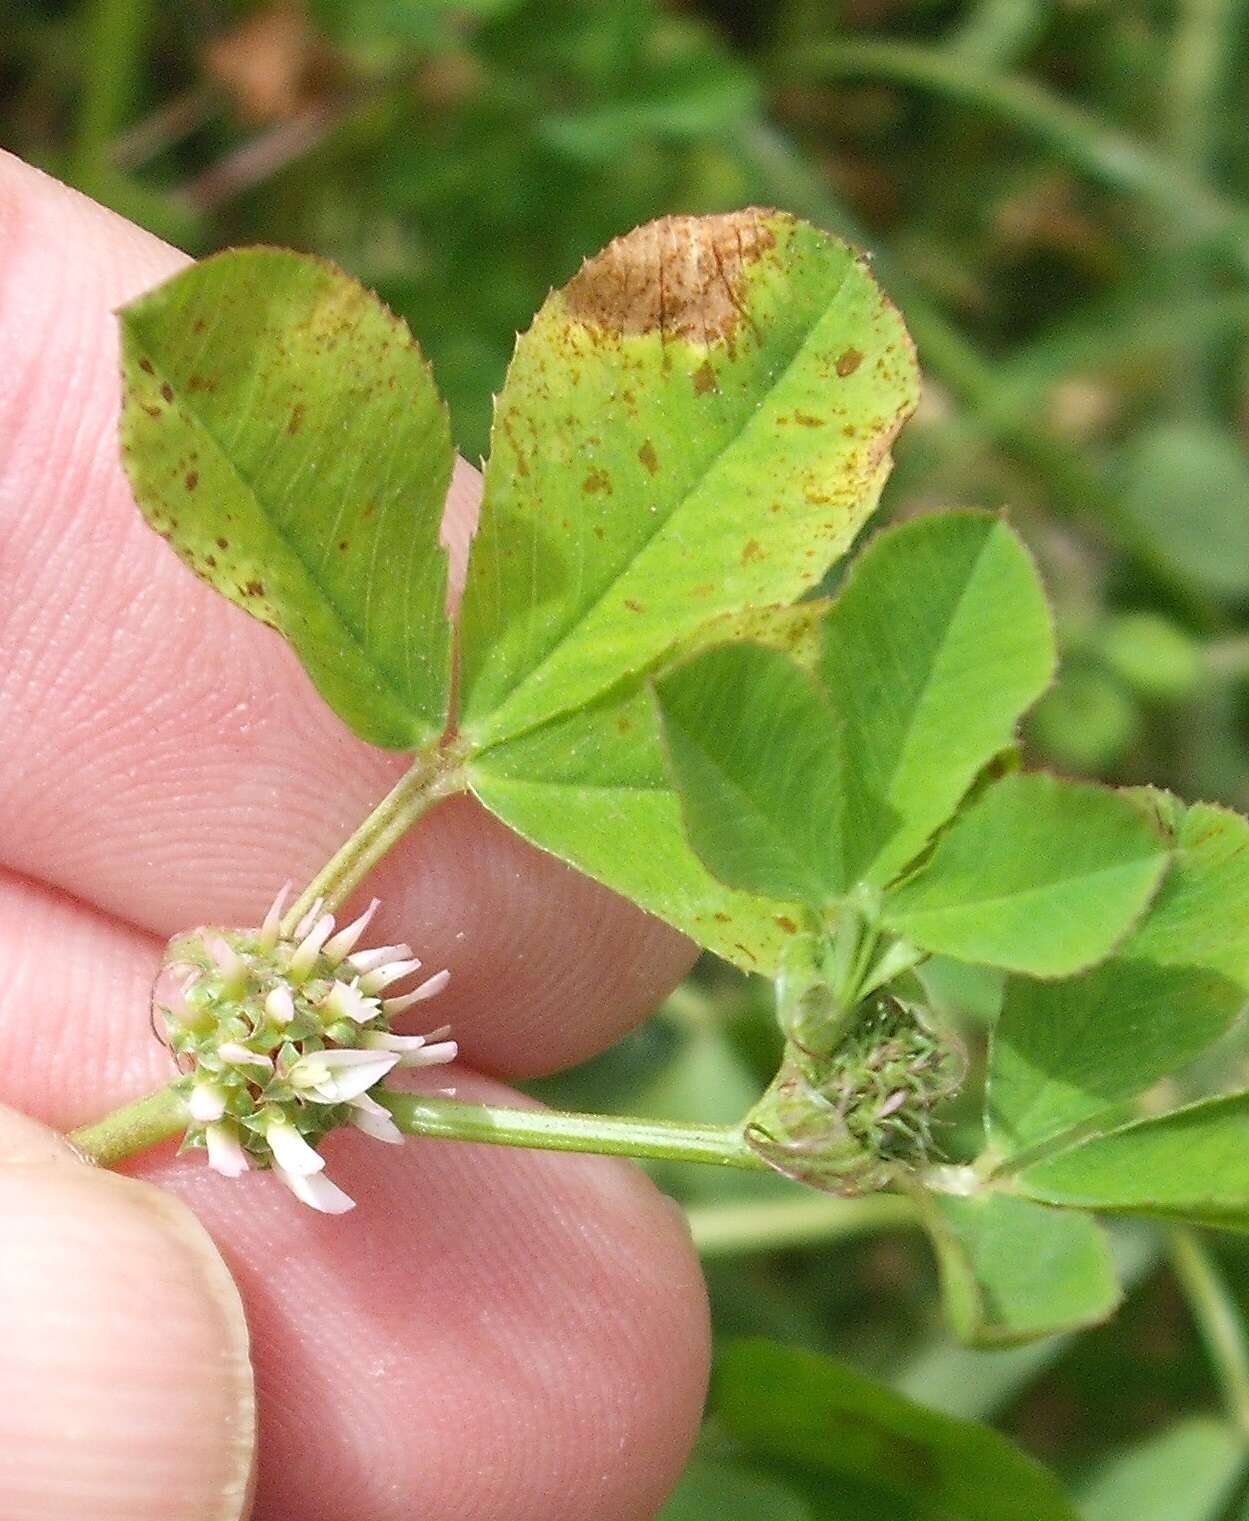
(490, 1334)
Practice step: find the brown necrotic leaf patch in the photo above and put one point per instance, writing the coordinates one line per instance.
(682, 277)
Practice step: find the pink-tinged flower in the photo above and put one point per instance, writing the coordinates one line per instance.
(282, 1037)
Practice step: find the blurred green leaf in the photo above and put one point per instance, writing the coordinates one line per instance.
(698, 422)
(1187, 1473)
(1086, 720)
(1187, 495)
(282, 430)
(795, 1407)
(1013, 1271)
(938, 643)
(1039, 876)
(1152, 654)
(724, 1491)
(1064, 1052)
(1190, 1164)
(758, 764)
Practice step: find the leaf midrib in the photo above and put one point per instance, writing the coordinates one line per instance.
(355, 635)
(569, 632)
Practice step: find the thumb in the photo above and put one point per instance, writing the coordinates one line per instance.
(125, 1386)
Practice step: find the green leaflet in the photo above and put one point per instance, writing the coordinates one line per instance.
(1038, 876)
(940, 641)
(282, 430)
(593, 788)
(1064, 1052)
(757, 759)
(699, 422)
(795, 1407)
(1190, 1164)
(1013, 1271)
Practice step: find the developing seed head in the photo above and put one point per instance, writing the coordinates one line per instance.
(849, 1123)
(282, 1038)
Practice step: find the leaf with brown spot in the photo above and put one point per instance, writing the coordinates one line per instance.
(686, 342)
(314, 423)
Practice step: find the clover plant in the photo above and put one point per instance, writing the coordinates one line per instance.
(645, 678)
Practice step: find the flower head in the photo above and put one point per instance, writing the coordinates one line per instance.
(283, 1038)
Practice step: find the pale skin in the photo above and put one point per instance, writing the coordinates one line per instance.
(491, 1335)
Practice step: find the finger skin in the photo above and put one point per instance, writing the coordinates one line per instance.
(125, 1387)
(491, 1335)
(174, 764)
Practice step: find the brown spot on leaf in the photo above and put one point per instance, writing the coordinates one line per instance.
(805, 420)
(634, 607)
(704, 379)
(720, 918)
(192, 479)
(146, 366)
(166, 391)
(787, 924)
(254, 589)
(223, 543)
(682, 277)
(153, 411)
(296, 419)
(648, 456)
(848, 362)
(597, 480)
(752, 551)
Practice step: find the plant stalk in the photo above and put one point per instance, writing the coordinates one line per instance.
(433, 775)
(1217, 1317)
(554, 1130)
(770, 1225)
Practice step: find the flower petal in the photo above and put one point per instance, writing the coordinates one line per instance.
(290, 1151)
(225, 1152)
(317, 1191)
(345, 941)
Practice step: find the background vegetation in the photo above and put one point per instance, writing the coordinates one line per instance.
(1057, 194)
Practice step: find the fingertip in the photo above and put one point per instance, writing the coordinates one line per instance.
(125, 1385)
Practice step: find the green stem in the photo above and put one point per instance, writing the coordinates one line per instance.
(722, 1230)
(158, 1116)
(115, 32)
(134, 1127)
(433, 775)
(1111, 157)
(1218, 1319)
(552, 1130)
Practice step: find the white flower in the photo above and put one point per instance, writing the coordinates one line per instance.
(344, 942)
(243, 1056)
(427, 989)
(316, 1190)
(225, 1151)
(346, 1001)
(207, 1102)
(290, 1151)
(238, 1009)
(412, 1050)
(280, 1005)
(375, 1120)
(336, 1077)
